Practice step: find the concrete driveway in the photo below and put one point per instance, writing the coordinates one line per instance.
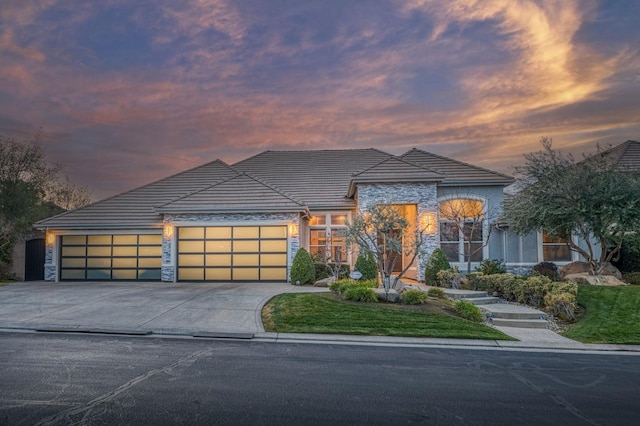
(161, 308)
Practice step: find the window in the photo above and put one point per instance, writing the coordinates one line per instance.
(555, 249)
(462, 229)
(326, 236)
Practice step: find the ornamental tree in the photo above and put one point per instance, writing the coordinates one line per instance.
(588, 199)
(384, 232)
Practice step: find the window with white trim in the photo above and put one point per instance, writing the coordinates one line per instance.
(462, 229)
(555, 249)
(327, 236)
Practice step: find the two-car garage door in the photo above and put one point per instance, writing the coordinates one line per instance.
(232, 253)
(214, 253)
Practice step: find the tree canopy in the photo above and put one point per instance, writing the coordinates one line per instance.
(30, 189)
(589, 199)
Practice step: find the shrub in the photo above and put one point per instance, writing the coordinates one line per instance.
(340, 286)
(492, 267)
(630, 254)
(632, 278)
(435, 292)
(360, 294)
(437, 262)
(562, 305)
(546, 269)
(367, 266)
(475, 281)
(302, 269)
(532, 290)
(468, 310)
(413, 297)
(323, 271)
(449, 278)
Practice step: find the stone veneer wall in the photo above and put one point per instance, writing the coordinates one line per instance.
(168, 263)
(425, 195)
(50, 267)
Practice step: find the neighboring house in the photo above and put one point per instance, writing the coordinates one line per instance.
(246, 221)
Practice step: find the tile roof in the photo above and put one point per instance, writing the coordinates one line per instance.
(319, 178)
(626, 155)
(456, 172)
(238, 194)
(135, 208)
(271, 181)
(393, 170)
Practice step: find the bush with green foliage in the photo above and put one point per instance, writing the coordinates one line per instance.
(435, 292)
(437, 262)
(632, 278)
(491, 267)
(340, 286)
(360, 294)
(367, 266)
(413, 297)
(323, 270)
(546, 269)
(475, 281)
(558, 298)
(448, 278)
(302, 269)
(468, 310)
(629, 254)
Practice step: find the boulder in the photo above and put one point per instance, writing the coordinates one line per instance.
(394, 295)
(326, 282)
(586, 278)
(583, 268)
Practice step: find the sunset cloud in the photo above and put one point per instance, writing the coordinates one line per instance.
(150, 88)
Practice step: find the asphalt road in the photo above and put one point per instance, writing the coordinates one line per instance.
(50, 379)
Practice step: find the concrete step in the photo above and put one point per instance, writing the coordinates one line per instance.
(519, 323)
(488, 300)
(516, 315)
(463, 294)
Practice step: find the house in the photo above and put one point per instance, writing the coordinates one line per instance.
(246, 221)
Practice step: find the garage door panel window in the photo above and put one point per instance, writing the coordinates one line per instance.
(111, 257)
(237, 253)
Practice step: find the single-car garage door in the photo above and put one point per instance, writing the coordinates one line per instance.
(232, 253)
(111, 257)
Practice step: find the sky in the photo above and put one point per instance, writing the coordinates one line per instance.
(127, 92)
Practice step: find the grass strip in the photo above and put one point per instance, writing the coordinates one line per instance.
(322, 313)
(612, 315)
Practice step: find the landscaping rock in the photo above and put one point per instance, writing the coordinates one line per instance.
(326, 282)
(583, 268)
(394, 295)
(586, 278)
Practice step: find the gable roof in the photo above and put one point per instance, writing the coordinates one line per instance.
(319, 178)
(456, 172)
(239, 194)
(393, 170)
(136, 207)
(626, 156)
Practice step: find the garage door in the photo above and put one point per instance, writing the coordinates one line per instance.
(111, 257)
(232, 253)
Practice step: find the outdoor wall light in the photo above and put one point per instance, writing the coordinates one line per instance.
(293, 229)
(168, 230)
(50, 238)
(428, 222)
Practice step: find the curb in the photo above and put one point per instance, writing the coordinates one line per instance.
(339, 339)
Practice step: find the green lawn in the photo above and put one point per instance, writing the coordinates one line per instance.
(322, 313)
(612, 315)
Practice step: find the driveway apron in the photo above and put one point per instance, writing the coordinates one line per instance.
(166, 308)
